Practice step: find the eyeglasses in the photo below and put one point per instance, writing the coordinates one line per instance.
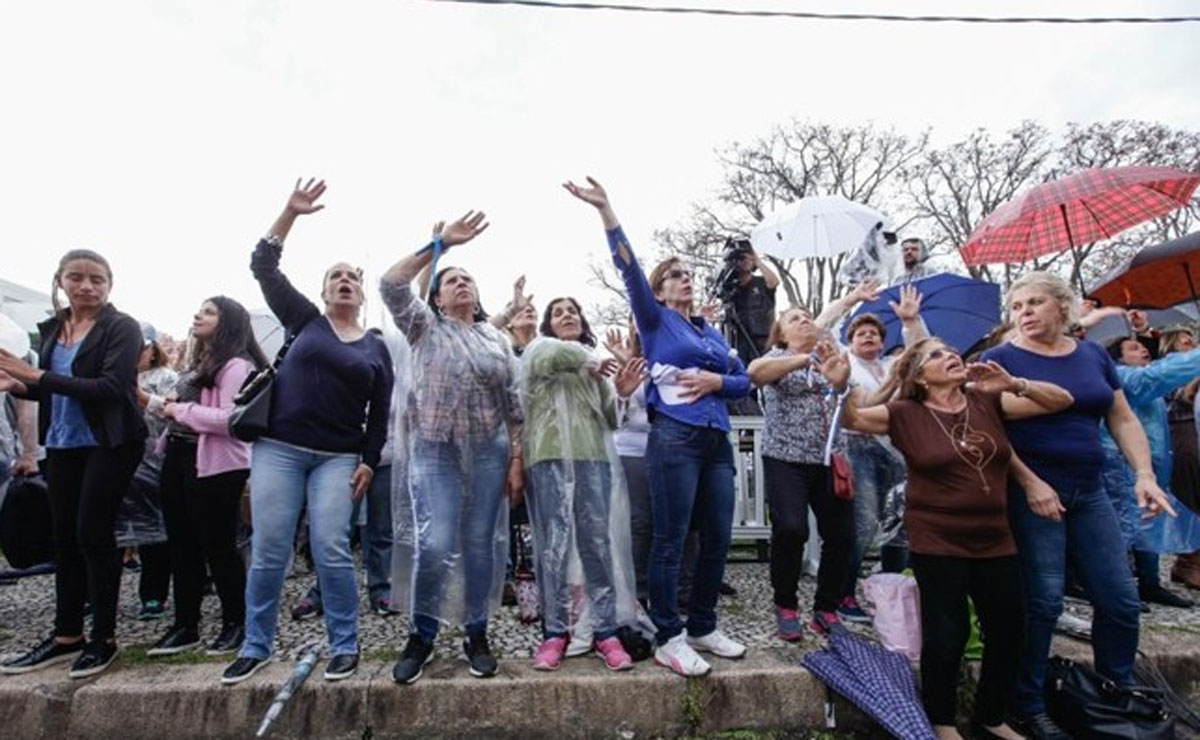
(937, 354)
(677, 274)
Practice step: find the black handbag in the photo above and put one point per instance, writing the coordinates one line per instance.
(26, 532)
(1087, 705)
(252, 405)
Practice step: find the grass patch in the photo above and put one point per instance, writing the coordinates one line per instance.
(135, 655)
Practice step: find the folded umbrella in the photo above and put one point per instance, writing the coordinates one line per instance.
(874, 679)
(958, 310)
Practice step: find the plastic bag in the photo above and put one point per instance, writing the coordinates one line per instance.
(897, 612)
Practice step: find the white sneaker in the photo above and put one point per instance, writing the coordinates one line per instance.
(718, 644)
(679, 657)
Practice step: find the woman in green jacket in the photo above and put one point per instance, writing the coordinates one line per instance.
(577, 500)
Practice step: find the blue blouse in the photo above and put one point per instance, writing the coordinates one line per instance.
(670, 339)
(68, 426)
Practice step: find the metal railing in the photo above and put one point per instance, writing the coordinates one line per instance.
(750, 500)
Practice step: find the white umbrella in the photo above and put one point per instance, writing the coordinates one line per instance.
(819, 226)
(268, 331)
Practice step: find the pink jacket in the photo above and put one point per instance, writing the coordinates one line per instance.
(217, 452)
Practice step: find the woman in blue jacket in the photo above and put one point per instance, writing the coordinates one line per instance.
(691, 468)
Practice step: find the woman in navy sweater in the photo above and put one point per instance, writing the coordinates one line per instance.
(690, 459)
(328, 424)
(1057, 502)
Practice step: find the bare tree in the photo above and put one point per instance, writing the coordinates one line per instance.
(945, 191)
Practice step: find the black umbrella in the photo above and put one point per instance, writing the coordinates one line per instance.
(1156, 277)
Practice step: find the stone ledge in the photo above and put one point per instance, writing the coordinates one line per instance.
(766, 690)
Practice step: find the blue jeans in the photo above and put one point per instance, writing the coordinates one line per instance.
(570, 523)
(876, 471)
(691, 478)
(1090, 537)
(283, 478)
(376, 538)
(457, 495)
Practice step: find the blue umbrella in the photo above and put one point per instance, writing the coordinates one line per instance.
(958, 310)
(874, 679)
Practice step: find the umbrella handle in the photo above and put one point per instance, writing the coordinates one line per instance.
(830, 710)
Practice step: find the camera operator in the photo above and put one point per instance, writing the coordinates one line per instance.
(749, 299)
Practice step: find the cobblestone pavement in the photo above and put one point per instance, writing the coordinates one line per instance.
(27, 614)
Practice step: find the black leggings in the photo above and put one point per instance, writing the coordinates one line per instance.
(202, 517)
(791, 489)
(86, 486)
(994, 585)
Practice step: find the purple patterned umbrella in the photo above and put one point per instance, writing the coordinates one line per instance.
(874, 679)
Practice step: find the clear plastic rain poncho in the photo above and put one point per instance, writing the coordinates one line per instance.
(140, 518)
(575, 489)
(460, 415)
(1146, 389)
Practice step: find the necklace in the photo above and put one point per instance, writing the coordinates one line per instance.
(969, 445)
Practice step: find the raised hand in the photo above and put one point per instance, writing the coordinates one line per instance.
(619, 345)
(437, 228)
(836, 369)
(631, 375)
(989, 377)
(303, 199)
(519, 299)
(464, 229)
(909, 307)
(867, 290)
(605, 368)
(594, 194)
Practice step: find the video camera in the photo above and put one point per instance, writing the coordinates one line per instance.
(726, 281)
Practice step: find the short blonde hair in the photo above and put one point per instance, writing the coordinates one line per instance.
(1053, 286)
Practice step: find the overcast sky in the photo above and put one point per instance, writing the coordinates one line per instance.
(167, 135)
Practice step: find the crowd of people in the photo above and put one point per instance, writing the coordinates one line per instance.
(1038, 467)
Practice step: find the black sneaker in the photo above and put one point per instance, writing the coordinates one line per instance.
(1038, 726)
(479, 655)
(306, 610)
(417, 654)
(177, 640)
(152, 610)
(229, 641)
(727, 589)
(47, 653)
(241, 669)
(1158, 594)
(95, 658)
(341, 666)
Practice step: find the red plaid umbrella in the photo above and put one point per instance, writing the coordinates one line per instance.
(1078, 209)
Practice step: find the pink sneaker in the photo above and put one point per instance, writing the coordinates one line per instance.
(550, 654)
(614, 655)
